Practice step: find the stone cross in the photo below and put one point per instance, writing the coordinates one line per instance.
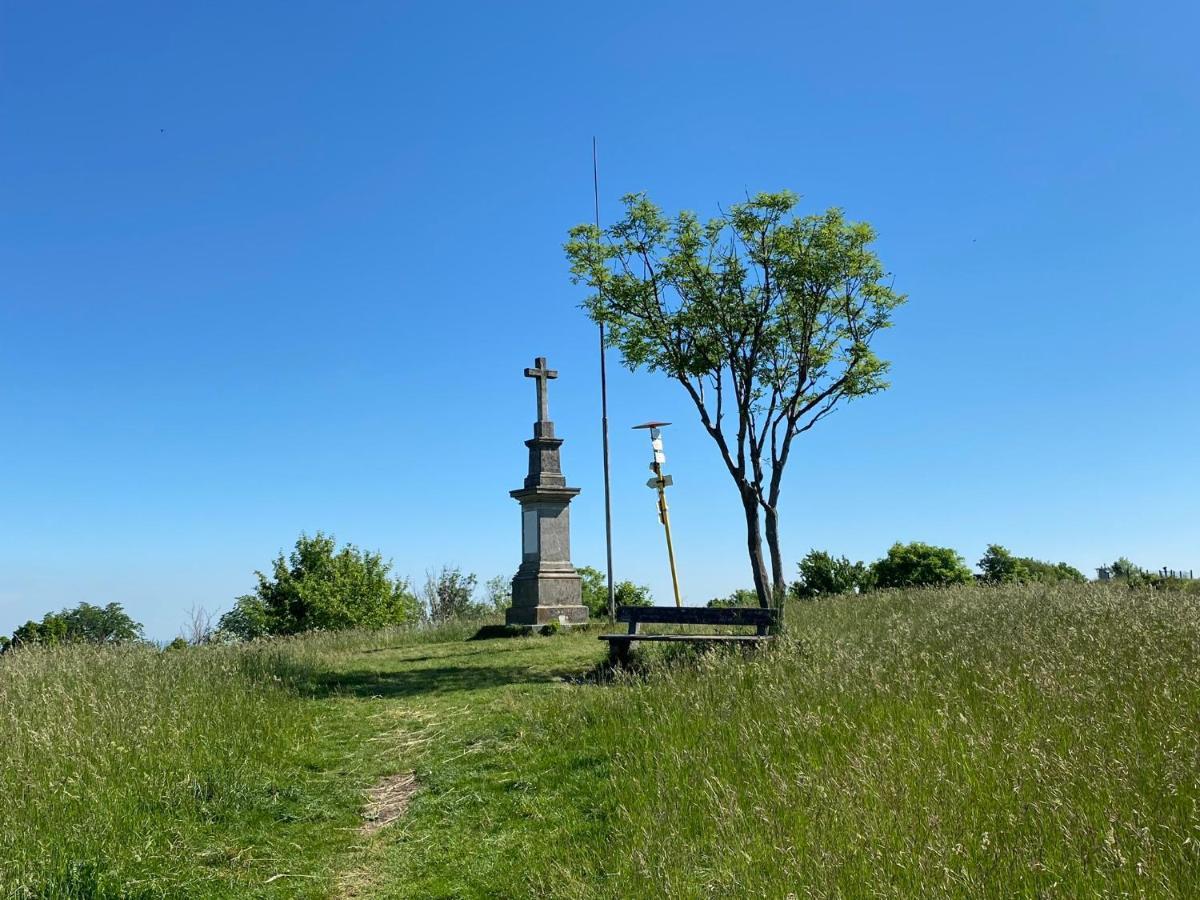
(546, 587)
(543, 375)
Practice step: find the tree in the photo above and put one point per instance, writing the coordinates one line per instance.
(198, 629)
(999, 566)
(822, 574)
(100, 625)
(449, 594)
(918, 565)
(594, 588)
(1124, 568)
(626, 593)
(85, 623)
(498, 593)
(765, 321)
(315, 587)
(1052, 573)
(250, 619)
(739, 597)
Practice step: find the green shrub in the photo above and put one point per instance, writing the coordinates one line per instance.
(594, 587)
(449, 595)
(85, 623)
(920, 565)
(740, 597)
(1052, 573)
(1124, 568)
(497, 593)
(1134, 576)
(1001, 567)
(316, 588)
(822, 574)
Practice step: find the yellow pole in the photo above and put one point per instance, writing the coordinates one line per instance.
(666, 520)
(659, 482)
(665, 517)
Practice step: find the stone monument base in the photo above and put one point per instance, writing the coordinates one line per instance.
(544, 615)
(543, 595)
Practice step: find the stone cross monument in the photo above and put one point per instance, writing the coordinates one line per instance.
(546, 587)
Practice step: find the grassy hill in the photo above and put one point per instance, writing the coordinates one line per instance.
(977, 741)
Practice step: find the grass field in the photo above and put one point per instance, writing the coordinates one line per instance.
(970, 742)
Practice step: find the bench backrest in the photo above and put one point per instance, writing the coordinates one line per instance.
(762, 620)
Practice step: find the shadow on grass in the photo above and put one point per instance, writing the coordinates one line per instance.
(434, 680)
(490, 632)
(643, 662)
(453, 667)
(465, 650)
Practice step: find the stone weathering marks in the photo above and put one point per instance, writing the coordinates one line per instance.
(546, 587)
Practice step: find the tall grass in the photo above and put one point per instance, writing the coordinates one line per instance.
(132, 772)
(1016, 741)
(1019, 741)
(115, 759)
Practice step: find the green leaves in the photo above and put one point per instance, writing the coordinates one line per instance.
(825, 575)
(920, 565)
(766, 319)
(85, 623)
(999, 567)
(319, 587)
(786, 308)
(595, 592)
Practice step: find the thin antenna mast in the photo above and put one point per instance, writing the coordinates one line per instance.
(612, 597)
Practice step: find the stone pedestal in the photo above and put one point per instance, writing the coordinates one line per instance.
(546, 587)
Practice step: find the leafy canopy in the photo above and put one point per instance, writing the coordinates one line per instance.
(108, 624)
(919, 565)
(319, 587)
(999, 566)
(594, 585)
(782, 309)
(737, 598)
(766, 319)
(450, 594)
(823, 575)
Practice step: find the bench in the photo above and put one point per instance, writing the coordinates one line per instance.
(761, 620)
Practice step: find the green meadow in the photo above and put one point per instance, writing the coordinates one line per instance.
(965, 742)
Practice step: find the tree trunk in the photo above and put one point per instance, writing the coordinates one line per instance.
(754, 545)
(778, 580)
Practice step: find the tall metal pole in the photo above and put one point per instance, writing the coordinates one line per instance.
(612, 596)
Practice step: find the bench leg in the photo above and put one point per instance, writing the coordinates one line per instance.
(618, 652)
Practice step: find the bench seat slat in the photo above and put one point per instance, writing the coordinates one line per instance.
(698, 615)
(701, 638)
(761, 620)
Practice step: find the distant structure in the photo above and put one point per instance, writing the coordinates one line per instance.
(1105, 573)
(1176, 573)
(546, 587)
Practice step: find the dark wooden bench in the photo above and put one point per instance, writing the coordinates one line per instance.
(761, 620)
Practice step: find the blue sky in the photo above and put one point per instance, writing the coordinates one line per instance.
(277, 267)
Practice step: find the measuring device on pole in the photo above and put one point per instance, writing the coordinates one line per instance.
(660, 482)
